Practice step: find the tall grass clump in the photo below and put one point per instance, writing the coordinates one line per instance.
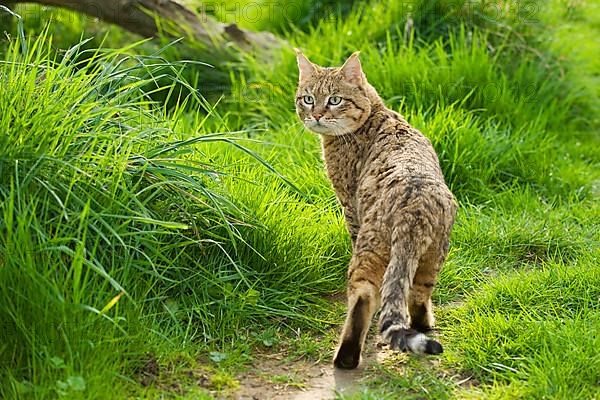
(115, 228)
(82, 233)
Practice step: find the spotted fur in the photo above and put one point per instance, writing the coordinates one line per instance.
(399, 211)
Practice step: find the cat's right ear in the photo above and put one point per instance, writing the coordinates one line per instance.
(305, 67)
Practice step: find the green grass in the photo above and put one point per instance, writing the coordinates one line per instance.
(152, 211)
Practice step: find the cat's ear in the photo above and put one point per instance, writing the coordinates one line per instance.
(352, 70)
(305, 67)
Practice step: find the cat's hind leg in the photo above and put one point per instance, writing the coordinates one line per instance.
(364, 282)
(420, 304)
(421, 307)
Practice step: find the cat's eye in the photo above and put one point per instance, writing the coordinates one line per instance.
(334, 100)
(308, 100)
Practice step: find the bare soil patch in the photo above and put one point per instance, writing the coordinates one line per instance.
(272, 376)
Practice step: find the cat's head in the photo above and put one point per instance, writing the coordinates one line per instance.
(332, 101)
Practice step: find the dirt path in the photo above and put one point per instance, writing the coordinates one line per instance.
(274, 378)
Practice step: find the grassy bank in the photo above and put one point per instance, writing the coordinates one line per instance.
(145, 231)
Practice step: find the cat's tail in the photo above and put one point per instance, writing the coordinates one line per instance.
(394, 320)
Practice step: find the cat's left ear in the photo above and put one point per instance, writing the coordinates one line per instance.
(352, 70)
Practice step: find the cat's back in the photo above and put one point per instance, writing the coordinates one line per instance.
(399, 170)
(399, 151)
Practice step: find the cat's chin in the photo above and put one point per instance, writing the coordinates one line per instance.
(320, 129)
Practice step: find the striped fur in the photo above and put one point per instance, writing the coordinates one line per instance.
(398, 209)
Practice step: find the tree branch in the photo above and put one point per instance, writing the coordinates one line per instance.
(141, 16)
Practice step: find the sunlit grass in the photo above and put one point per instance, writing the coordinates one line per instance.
(145, 217)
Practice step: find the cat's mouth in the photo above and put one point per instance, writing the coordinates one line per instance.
(319, 127)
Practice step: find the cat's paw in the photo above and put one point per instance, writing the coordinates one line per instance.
(420, 326)
(347, 356)
(410, 340)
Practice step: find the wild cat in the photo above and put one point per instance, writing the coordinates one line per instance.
(398, 210)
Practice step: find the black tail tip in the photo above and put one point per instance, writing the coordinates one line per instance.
(385, 324)
(433, 347)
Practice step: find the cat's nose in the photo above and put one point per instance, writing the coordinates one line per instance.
(317, 116)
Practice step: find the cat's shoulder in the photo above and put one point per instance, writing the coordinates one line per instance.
(391, 121)
(393, 128)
